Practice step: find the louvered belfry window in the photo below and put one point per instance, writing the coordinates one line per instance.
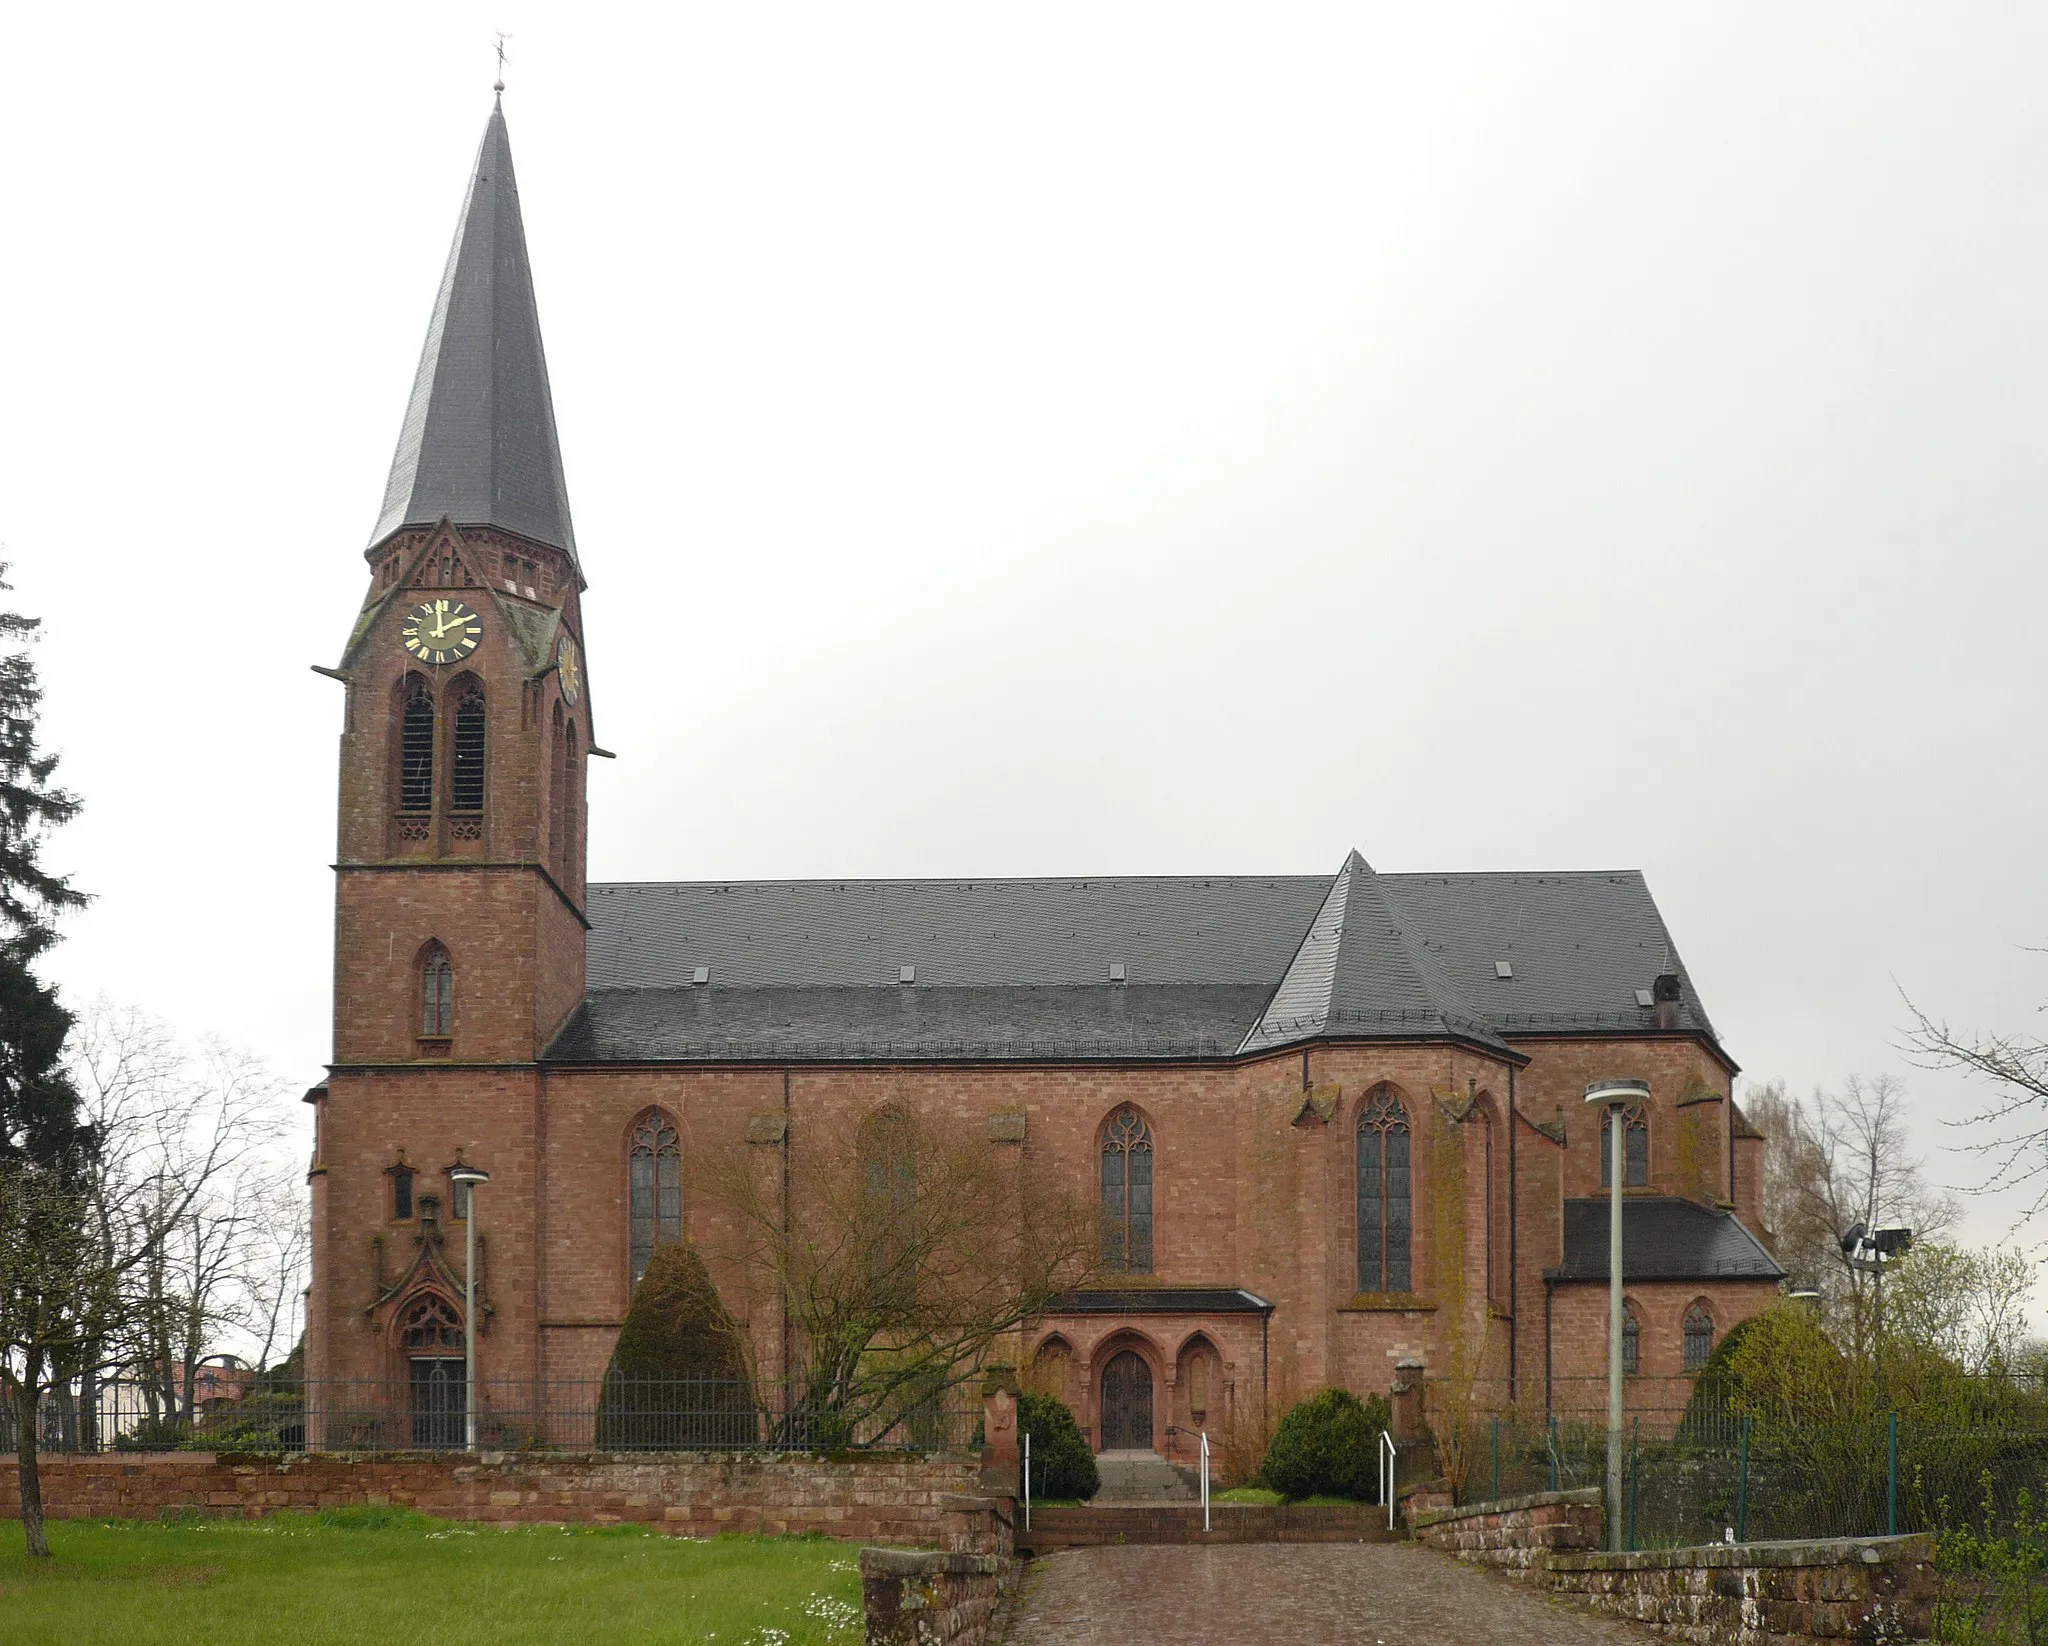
(1385, 1207)
(1127, 1194)
(416, 751)
(437, 994)
(655, 1188)
(467, 782)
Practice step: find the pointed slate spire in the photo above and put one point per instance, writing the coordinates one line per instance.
(1359, 972)
(478, 445)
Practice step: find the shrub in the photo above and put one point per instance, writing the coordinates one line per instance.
(1061, 1463)
(1328, 1445)
(678, 1377)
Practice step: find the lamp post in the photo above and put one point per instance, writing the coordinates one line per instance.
(1614, 1096)
(471, 1178)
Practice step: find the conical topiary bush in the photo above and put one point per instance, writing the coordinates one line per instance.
(678, 1377)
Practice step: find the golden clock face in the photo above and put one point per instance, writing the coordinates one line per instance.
(442, 631)
(571, 672)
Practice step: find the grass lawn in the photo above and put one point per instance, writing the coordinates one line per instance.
(1261, 1494)
(394, 1578)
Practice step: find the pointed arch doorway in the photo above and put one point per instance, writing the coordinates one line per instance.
(1127, 1403)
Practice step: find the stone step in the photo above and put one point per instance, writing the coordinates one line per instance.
(1143, 1477)
(1228, 1522)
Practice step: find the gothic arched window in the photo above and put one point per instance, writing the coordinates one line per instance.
(1385, 1206)
(437, 993)
(1127, 1193)
(572, 771)
(558, 786)
(1699, 1336)
(889, 1206)
(416, 749)
(1635, 1148)
(430, 1323)
(466, 779)
(654, 1183)
(1631, 1343)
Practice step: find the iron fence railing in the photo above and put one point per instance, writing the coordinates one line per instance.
(428, 1411)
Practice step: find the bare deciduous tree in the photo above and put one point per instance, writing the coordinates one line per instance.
(901, 1252)
(2011, 1123)
(1833, 1161)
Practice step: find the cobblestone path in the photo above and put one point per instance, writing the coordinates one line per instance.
(1292, 1594)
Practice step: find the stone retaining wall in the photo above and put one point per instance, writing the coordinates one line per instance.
(1764, 1594)
(1515, 1534)
(916, 1598)
(1876, 1589)
(859, 1497)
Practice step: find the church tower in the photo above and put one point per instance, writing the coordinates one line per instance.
(459, 925)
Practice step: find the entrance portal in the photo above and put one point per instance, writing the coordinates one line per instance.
(1127, 1404)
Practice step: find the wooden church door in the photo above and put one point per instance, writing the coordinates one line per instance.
(1127, 1404)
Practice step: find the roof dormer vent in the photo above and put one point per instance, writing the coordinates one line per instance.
(702, 974)
(1503, 968)
(1116, 971)
(906, 974)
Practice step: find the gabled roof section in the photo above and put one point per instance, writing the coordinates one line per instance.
(478, 446)
(1361, 971)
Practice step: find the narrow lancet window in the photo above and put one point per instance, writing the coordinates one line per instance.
(1385, 1210)
(416, 750)
(1127, 1194)
(467, 780)
(1635, 1148)
(654, 1173)
(437, 994)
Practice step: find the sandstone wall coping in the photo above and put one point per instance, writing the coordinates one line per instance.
(1870, 1551)
(1508, 1505)
(927, 1563)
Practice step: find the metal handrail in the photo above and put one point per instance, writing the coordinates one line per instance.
(1205, 1480)
(1389, 1455)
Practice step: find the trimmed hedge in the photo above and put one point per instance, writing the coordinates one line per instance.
(1328, 1445)
(1061, 1463)
(678, 1377)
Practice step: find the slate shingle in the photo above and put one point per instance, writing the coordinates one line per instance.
(1662, 1238)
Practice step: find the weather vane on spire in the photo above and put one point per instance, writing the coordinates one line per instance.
(502, 38)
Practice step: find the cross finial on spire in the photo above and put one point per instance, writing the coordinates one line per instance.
(499, 86)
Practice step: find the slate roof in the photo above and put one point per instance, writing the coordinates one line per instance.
(478, 444)
(1662, 1238)
(1213, 966)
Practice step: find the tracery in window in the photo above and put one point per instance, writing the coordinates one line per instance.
(466, 780)
(1126, 1193)
(430, 1322)
(654, 1180)
(416, 748)
(1385, 1206)
(1635, 1146)
(437, 993)
(1699, 1337)
(1631, 1343)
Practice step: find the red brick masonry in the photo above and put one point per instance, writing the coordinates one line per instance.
(1735, 1594)
(861, 1497)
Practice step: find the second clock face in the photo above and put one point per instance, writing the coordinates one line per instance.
(572, 676)
(442, 631)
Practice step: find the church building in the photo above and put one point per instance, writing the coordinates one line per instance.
(1332, 1122)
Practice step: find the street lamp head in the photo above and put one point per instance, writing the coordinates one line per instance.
(1616, 1094)
(469, 1176)
(1892, 1242)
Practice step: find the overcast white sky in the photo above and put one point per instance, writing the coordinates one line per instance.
(1088, 439)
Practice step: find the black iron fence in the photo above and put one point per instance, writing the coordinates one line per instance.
(429, 1410)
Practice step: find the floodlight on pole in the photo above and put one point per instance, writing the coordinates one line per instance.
(470, 1178)
(1614, 1096)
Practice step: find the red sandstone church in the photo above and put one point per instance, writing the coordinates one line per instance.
(1333, 1120)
